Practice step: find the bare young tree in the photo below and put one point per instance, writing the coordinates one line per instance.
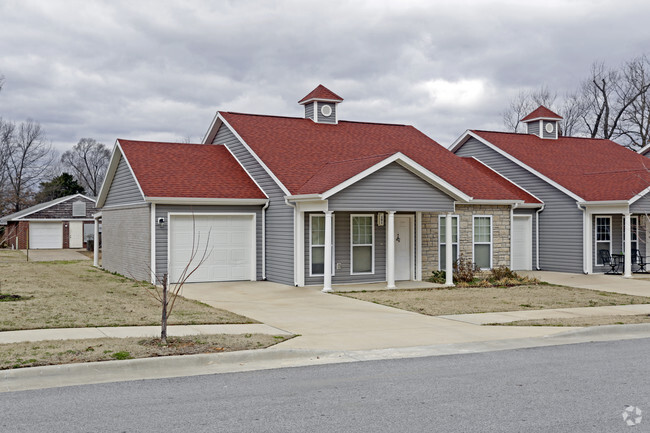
(88, 160)
(6, 134)
(28, 158)
(524, 103)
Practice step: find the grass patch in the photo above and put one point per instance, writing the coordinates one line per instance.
(55, 352)
(465, 300)
(5, 297)
(582, 321)
(73, 294)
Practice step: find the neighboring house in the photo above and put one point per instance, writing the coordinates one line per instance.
(310, 200)
(594, 191)
(65, 222)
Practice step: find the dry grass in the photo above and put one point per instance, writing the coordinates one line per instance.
(75, 294)
(54, 352)
(582, 321)
(437, 302)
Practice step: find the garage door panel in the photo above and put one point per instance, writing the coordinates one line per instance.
(229, 246)
(45, 235)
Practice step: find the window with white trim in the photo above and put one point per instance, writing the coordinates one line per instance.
(362, 244)
(483, 241)
(634, 227)
(603, 236)
(317, 245)
(442, 233)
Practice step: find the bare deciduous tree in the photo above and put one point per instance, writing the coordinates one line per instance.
(28, 158)
(88, 160)
(524, 103)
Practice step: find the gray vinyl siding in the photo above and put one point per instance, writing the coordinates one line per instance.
(534, 244)
(642, 205)
(547, 134)
(126, 241)
(391, 188)
(533, 127)
(124, 190)
(309, 111)
(279, 216)
(560, 223)
(342, 251)
(329, 119)
(162, 211)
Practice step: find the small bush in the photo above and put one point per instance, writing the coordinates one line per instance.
(502, 273)
(438, 277)
(464, 270)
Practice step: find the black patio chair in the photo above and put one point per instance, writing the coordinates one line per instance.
(607, 260)
(639, 260)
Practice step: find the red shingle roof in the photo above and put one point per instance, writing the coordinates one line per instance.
(188, 170)
(542, 112)
(321, 92)
(593, 169)
(309, 157)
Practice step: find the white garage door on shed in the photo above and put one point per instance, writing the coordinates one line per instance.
(230, 250)
(522, 243)
(45, 235)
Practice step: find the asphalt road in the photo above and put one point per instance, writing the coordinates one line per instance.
(572, 388)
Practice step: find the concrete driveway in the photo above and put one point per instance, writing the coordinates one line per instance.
(52, 255)
(332, 322)
(638, 285)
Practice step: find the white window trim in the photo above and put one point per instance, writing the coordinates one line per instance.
(635, 233)
(474, 243)
(440, 244)
(311, 218)
(352, 245)
(596, 241)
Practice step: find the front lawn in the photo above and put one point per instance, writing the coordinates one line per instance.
(75, 294)
(465, 300)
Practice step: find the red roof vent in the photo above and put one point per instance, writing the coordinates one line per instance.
(321, 93)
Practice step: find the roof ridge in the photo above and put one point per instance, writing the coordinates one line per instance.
(533, 135)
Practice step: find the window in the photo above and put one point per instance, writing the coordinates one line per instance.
(79, 209)
(483, 241)
(362, 231)
(317, 244)
(603, 236)
(634, 225)
(442, 233)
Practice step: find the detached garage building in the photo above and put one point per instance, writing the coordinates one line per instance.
(66, 222)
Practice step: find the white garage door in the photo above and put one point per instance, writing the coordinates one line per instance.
(522, 243)
(230, 247)
(45, 235)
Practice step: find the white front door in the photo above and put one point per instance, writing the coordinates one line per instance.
(403, 250)
(522, 243)
(76, 237)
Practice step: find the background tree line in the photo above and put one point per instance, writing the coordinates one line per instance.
(32, 172)
(611, 103)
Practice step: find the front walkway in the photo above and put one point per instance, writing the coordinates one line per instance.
(638, 285)
(332, 322)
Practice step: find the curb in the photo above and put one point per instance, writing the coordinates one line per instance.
(263, 359)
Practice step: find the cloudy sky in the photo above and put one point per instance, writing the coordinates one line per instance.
(159, 70)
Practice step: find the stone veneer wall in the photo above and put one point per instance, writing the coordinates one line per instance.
(500, 235)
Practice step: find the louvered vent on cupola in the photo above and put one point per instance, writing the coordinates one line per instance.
(321, 105)
(543, 123)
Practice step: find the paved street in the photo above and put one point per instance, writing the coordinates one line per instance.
(571, 388)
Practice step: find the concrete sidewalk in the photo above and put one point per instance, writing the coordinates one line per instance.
(638, 285)
(135, 331)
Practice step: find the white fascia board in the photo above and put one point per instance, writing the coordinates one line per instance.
(542, 118)
(58, 201)
(496, 202)
(247, 173)
(459, 141)
(410, 165)
(110, 173)
(312, 206)
(527, 168)
(47, 220)
(335, 101)
(303, 197)
(257, 158)
(639, 195)
(97, 215)
(207, 201)
(212, 130)
(606, 207)
(499, 174)
(644, 149)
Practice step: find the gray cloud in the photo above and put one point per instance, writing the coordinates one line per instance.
(159, 70)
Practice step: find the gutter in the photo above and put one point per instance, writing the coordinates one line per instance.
(537, 236)
(585, 239)
(264, 240)
(295, 250)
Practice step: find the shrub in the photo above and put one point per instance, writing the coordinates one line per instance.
(438, 277)
(464, 270)
(502, 273)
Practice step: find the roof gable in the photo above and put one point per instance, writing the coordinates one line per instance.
(321, 93)
(42, 206)
(542, 112)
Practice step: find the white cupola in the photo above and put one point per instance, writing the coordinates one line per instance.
(321, 104)
(543, 123)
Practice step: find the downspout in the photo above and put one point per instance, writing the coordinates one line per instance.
(512, 218)
(537, 236)
(585, 239)
(295, 251)
(264, 239)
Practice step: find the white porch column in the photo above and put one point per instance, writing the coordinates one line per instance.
(449, 251)
(96, 244)
(327, 272)
(390, 250)
(628, 247)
